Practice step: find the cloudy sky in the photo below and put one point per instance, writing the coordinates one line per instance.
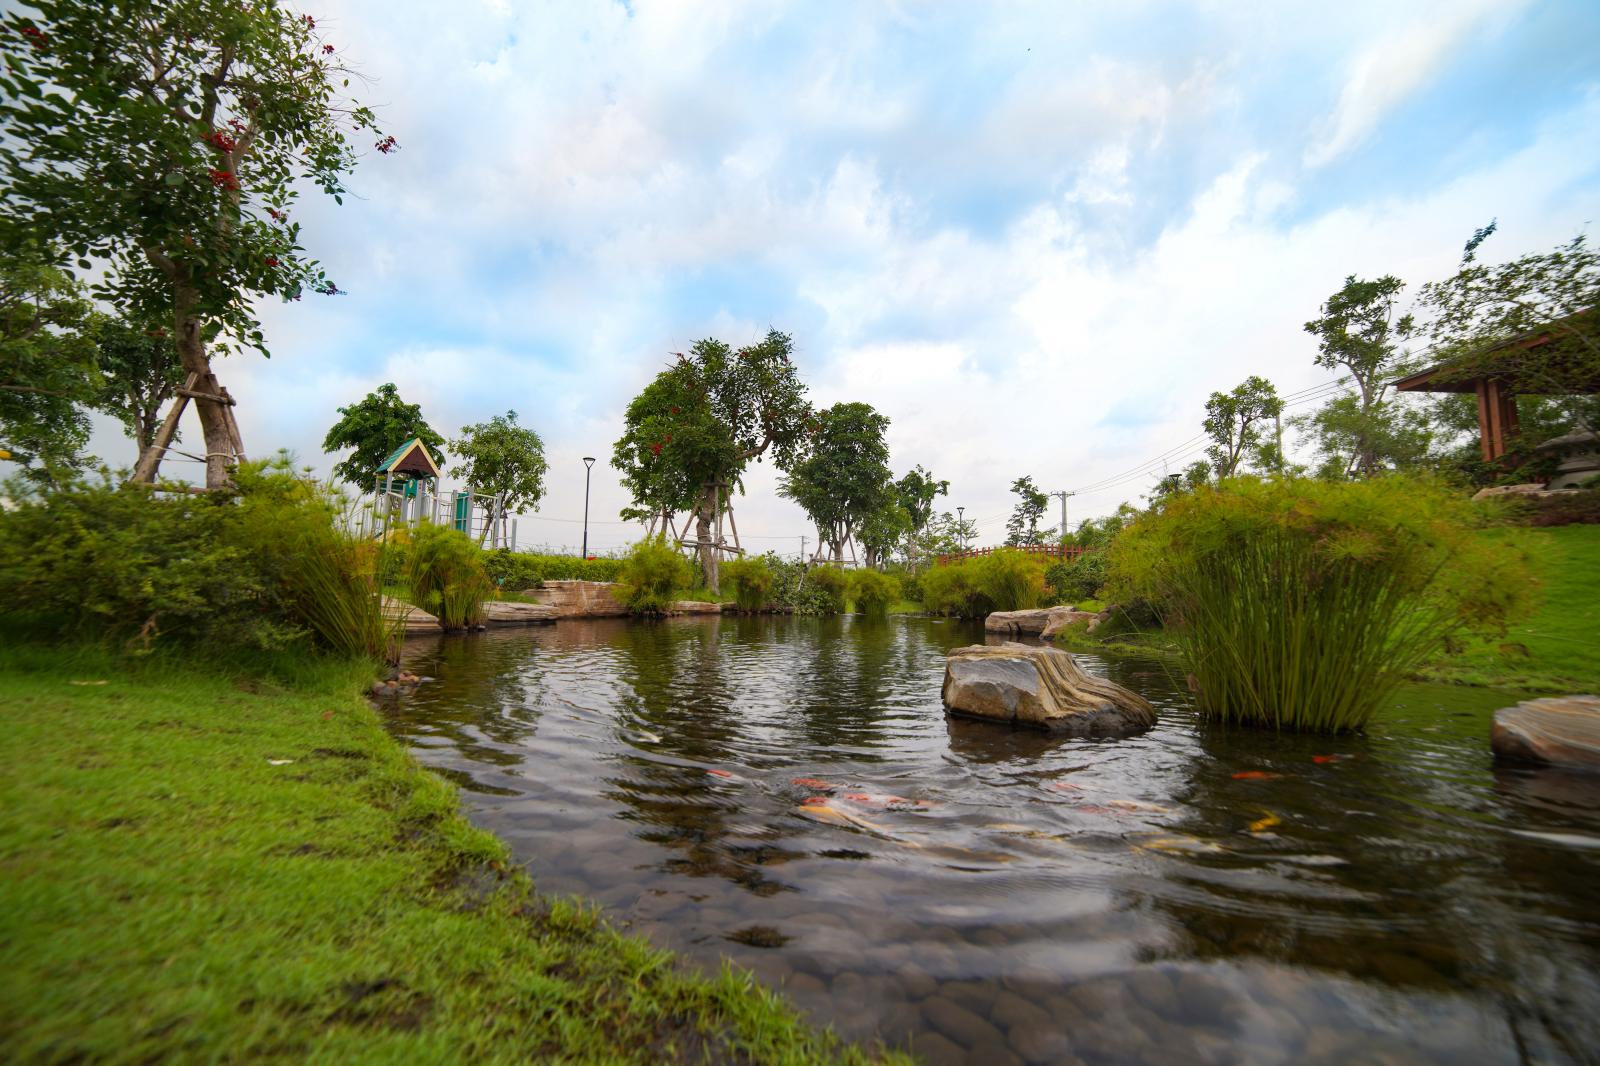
(1036, 236)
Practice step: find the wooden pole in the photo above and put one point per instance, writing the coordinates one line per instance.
(145, 471)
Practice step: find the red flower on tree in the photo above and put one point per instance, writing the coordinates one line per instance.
(327, 49)
(221, 141)
(655, 449)
(272, 260)
(223, 179)
(386, 145)
(276, 214)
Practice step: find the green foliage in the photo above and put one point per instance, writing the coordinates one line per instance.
(703, 420)
(975, 588)
(1022, 528)
(750, 580)
(375, 427)
(873, 592)
(516, 571)
(650, 576)
(1301, 604)
(1234, 422)
(140, 373)
(266, 570)
(47, 366)
(1079, 578)
(833, 587)
(792, 589)
(503, 462)
(844, 477)
(445, 574)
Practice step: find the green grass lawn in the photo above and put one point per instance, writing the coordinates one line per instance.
(1557, 647)
(199, 863)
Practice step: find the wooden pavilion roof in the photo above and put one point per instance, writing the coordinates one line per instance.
(1466, 374)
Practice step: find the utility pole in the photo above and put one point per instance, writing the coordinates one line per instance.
(1063, 496)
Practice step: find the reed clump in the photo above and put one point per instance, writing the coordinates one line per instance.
(444, 570)
(651, 574)
(1301, 604)
(750, 580)
(874, 592)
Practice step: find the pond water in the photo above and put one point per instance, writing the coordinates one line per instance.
(989, 895)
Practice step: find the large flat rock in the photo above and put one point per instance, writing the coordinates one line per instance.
(1555, 731)
(1041, 621)
(695, 607)
(512, 613)
(579, 599)
(1043, 687)
(417, 620)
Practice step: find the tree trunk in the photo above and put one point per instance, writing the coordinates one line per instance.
(220, 444)
(707, 550)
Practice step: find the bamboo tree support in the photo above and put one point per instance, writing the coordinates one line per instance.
(202, 389)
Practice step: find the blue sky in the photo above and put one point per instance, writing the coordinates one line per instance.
(1036, 236)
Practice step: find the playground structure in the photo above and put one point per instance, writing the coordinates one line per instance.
(406, 492)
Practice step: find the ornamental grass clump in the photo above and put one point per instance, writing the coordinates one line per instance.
(1301, 604)
(873, 592)
(444, 571)
(1012, 580)
(651, 574)
(833, 588)
(750, 581)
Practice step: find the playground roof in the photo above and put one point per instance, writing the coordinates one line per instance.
(410, 458)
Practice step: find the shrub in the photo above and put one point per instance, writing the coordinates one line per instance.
(792, 590)
(953, 590)
(750, 580)
(873, 592)
(1012, 580)
(651, 574)
(1077, 579)
(515, 571)
(444, 572)
(833, 587)
(910, 580)
(1301, 604)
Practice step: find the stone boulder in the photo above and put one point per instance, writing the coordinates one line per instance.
(512, 613)
(1062, 617)
(416, 619)
(580, 599)
(1041, 621)
(695, 607)
(1043, 687)
(1555, 731)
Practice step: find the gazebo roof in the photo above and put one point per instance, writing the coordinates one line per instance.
(410, 458)
(1482, 365)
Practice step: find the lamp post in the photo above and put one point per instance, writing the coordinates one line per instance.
(588, 465)
(961, 526)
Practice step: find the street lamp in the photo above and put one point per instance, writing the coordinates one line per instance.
(588, 465)
(961, 526)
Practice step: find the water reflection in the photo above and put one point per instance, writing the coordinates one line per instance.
(998, 895)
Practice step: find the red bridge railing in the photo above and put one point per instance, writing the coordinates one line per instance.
(1049, 551)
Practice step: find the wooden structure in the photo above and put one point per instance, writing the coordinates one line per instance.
(722, 505)
(1049, 551)
(196, 386)
(1497, 375)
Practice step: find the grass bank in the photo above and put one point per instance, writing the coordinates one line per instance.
(202, 863)
(1555, 648)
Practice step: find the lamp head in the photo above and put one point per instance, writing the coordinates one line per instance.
(588, 460)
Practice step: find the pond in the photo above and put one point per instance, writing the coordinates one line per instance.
(989, 895)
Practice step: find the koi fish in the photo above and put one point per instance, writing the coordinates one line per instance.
(1263, 824)
(1256, 775)
(826, 812)
(1065, 786)
(1176, 844)
(811, 782)
(879, 799)
(719, 773)
(1320, 759)
(1136, 805)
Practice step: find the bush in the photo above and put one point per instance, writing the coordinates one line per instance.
(515, 571)
(1077, 579)
(266, 569)
(444, 572)
(873, 592)
(910, 580)
(833, 587)
(953, 590)
(1012, 580)
(651, 574)
(792, 590)
(1302, 604)
(750, 580)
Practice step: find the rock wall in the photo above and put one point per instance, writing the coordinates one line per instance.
(579, 599)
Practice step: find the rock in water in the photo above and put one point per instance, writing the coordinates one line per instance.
(1556, 731)
(1037, 686)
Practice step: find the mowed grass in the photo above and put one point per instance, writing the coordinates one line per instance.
(199, 863)
(1556, 648)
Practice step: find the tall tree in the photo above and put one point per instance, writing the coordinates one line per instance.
(844, 477)
(1356, 333)
(1022, 528)
(168, 140)
(504, 463)
(917, 491)
(690, 434)
(140, 372)
(1235, 421)
(375, 427)
(47, 366)
(1554, 292)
